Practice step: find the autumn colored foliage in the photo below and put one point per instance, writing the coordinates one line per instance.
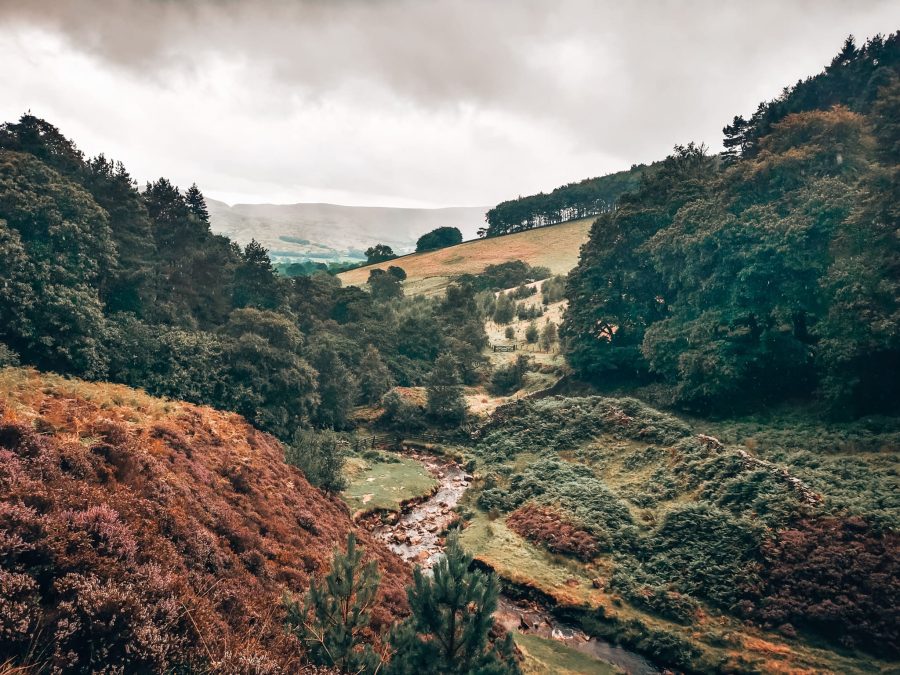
(547, 526)
(838, 577)
(139, 535)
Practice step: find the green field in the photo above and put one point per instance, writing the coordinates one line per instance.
(377, 485)
(555, 247)
(544, 656)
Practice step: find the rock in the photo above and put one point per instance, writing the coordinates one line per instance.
(597, 582)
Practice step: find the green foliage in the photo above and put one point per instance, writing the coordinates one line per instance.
(398, 272)
(452, 615)
(509, 333)
(589, 197)
(505, 275)
(336, 612)
(768, 278)
(446, 404)
(255, 282)
(400, 414)
(379, 253)
(441, 237)
(553, 289)
(549, 336)
(504, 309)
(509, 378)
(320, 455)
(385, 286)
(336, 385)
(374, 377)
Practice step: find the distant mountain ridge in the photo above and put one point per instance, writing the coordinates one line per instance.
(331, 231)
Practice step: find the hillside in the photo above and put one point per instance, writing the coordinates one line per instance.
(555, 246)
(324, 232)
(154, 536)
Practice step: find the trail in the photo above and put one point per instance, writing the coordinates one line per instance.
(415, 537)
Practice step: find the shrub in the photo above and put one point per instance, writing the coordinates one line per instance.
(509, 378)
(320, 455)
(548, 527)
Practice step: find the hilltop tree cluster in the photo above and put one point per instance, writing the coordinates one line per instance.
(589, 197)
(776, 274)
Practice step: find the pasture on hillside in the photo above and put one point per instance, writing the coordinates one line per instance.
(555, 247)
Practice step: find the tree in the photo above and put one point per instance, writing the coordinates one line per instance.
(401, 415)
(504, 309)
(549, 336)
(255, 281)
(509, 333)
(441, 237)
(196, 203)
(398, 272)
(332, 619)
(336, 386)
(452, 615)
(374, 377)
(379, 253)
(446, 403)
(384, 285)
(531, 333)
(320, 456)
(509, 378)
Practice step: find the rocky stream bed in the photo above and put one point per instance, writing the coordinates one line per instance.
(415, 535)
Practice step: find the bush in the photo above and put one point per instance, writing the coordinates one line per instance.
(836, 577)
(320, 455)
(548, 527)
(400, 414)
(531, 333)
(509, 378)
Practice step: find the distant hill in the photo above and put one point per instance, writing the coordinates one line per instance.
(332, 232)
(554, 246)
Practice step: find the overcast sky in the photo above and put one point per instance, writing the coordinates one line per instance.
(405, 103)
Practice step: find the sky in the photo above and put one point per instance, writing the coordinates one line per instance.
(417, 103)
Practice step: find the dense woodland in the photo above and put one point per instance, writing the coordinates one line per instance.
(588, 197)
(106, 281)
(773, 274)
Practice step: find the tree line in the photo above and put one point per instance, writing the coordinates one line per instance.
(588, 197)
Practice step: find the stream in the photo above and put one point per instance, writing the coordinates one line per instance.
(415, 536)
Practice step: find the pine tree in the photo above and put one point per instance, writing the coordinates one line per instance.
(196, 203)
(335, 613)
(374, 376)
(452, 615)
(445, 392)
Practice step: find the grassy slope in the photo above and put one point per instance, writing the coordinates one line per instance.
(556, 247)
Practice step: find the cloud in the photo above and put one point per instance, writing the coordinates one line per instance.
(422, 101)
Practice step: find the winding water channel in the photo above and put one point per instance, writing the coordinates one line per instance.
(415, 536)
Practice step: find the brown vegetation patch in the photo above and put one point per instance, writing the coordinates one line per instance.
(156, 544)
(839, 577)
(546, 526)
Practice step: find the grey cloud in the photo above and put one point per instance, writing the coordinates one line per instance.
(625, 80)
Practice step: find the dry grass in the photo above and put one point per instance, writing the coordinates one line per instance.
(556, 247)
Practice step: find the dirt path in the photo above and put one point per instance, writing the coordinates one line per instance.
(415, 536)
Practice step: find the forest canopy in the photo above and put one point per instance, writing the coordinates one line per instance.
(773, 274)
